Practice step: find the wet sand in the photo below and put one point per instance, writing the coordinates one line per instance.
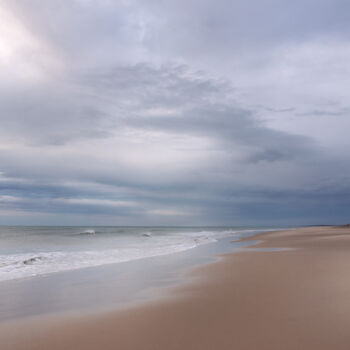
(294, 299)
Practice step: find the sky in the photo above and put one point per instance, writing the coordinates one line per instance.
(159, 112)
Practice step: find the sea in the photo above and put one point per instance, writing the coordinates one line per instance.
(38, 250)
(59, 270)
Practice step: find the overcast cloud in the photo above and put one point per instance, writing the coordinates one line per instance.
(174, 112)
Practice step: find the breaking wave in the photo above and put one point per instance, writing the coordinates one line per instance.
(104, 248)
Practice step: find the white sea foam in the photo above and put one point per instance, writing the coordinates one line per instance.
(88, 232)
(25, 265)
(101, 250)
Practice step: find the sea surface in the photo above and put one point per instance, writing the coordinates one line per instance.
(35, 251)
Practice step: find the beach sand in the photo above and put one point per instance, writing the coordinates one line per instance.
(293, 299)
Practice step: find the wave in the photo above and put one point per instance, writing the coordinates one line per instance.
(12, 260)
(33, 260)
(107, 249)
(19, 266)
(88, 232)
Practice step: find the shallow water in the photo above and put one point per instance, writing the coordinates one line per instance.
(109, 286)
(31, 251)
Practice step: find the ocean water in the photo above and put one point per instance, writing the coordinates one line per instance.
(35, 251)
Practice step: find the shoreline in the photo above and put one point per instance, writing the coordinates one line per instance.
(94, 290)
(292, 299)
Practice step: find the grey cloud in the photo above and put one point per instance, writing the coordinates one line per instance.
(120, 98)
(224, 29)
(197, 106)
(138, 30)
(280, 110)
(136, 111)
(117, 99)
(49, 115)
(333, 112)
(138, 98)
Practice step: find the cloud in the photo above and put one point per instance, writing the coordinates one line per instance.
(173, 113)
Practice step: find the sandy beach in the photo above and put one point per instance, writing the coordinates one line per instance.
(174, 175)
(290, 299)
